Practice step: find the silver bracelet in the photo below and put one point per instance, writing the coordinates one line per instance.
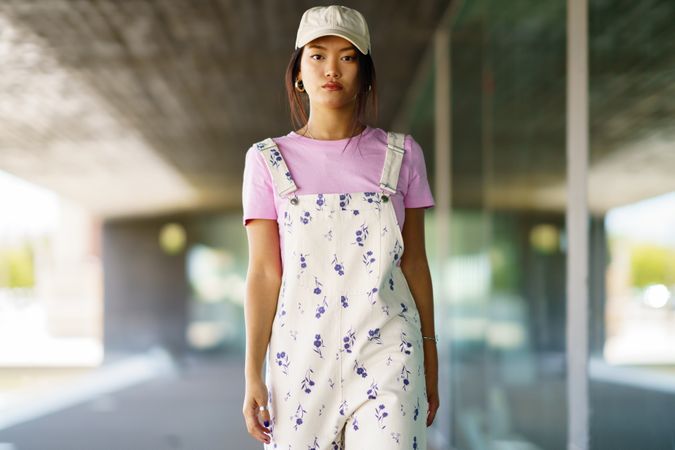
(433, 338)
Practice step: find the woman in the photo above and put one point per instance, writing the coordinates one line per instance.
(352, 360)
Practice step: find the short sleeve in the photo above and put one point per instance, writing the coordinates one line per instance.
(257, 193)
(419, 192)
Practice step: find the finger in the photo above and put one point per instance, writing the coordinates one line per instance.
(267, 420)
(431, 412)
(255, 430)
(254, 426)
(264, 415)
(263, 419)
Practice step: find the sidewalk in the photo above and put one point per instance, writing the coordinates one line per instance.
(195, 404)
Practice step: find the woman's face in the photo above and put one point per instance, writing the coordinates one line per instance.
(330, 59)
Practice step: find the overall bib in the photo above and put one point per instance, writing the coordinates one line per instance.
(345, 362)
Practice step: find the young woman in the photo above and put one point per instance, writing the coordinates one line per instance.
(341, 315)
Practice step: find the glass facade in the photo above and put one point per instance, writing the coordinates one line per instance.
(631, 194)
(500, 246)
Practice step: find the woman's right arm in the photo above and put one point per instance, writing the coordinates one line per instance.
(263, 281)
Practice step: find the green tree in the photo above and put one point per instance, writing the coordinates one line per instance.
(651, 264)
(17, 269)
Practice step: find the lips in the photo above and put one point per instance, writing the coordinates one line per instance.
(332, 86)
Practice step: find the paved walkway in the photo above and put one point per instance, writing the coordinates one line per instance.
(196, 407)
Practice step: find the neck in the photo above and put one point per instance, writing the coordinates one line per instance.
(330, 125)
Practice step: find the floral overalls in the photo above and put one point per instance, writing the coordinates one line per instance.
(345, 363)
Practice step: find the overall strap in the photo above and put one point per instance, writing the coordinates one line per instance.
(392, 161)
(281, 176)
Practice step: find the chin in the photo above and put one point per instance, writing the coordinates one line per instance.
(333, 103)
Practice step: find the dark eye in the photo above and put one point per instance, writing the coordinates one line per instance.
(351, 58)
(314, 55)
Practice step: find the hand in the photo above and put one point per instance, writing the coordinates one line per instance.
(431, 378)
(256, 395)
(434, 403)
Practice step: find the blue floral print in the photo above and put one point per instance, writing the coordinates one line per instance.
(344, 300)
(361, 234)
(307, 382)
(320, 202)
(287, 221)
(344, 201)
(317, 286)
(314, 445)
(281, 312)
(405, 344)
(405, 377)
(338, 266)
(372, 391)
(348, 340)
(404, 310)
(318, 344)
(396, 252)
(302, 265)
(306, 217)
(360, 369)
(396, 436)
(380, 414)
(374, 335)
(371, 295)
(275, 157)
(321, 308)
(282, 361)
(368, 260)
(303, 262)
(299, 414)
(342, 407)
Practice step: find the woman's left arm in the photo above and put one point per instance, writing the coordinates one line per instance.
(415, 267)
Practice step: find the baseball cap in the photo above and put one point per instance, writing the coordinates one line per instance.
(335, 20)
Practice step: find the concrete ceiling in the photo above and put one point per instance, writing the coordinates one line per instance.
(510, 90)
(143, 107)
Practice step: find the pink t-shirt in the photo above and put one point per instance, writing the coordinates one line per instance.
(320, 166)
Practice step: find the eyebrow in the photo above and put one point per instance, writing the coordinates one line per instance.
(324, 48)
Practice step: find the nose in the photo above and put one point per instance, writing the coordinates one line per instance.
(331, 70)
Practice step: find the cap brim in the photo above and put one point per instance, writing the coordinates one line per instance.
(334, 32)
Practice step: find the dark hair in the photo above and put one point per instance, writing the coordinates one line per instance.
(366, 78)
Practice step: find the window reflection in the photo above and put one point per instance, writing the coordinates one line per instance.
(640, 312)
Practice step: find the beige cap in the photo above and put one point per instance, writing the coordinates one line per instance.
(334, 20)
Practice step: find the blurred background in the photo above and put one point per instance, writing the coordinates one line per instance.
(123, 130)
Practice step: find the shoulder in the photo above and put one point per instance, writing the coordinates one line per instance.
(254, 158)
(255, 150)
(253, 155)
(412, 148)
(409, 140)
(282, 142)
(380, 137)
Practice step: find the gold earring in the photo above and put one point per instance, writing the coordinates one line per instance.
(299, 85)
